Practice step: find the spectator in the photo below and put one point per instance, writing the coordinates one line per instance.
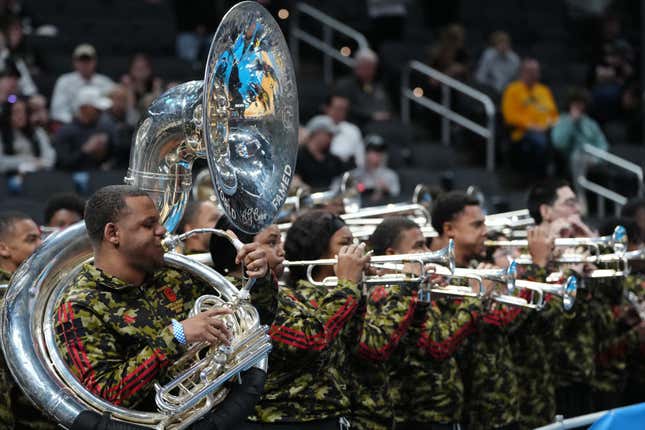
(348, 140)
(68, 85)
(368, 99)
(317, 166)
(574, 129)
(140, 82)
(198, 214)
(9, 77)
(26, 59)
(529, 111)
(449, 56)
(499, 64)
(122, 117)
(376, 180)
(63, 210)
(24, 148)
(39, 114)
(85, 144)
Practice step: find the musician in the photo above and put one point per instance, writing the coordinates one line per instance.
(307, 383)
(409, 343)
(556, 210)
(198, 214)
(486, 364)
(618, 327)
(123, 321)
(63, 210)
(19, 238)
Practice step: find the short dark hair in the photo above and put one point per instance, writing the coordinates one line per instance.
(632, 206)
(105, 206)
(8, 219)
(333, 95)
(190, 214)
(308, 238)
(222, 251)
(578, 95)
(388, 233)
(448, 206)
(544, 193)
(69, 201)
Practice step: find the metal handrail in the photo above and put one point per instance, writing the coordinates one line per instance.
(603, 193)
(325, 45)
(443, 108)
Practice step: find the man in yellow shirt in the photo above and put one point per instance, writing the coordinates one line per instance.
(529, 112)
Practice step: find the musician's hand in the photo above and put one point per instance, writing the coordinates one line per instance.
(352, 261)
(541, 245)
(207, 326)
(254, 258)
(579, 228)
(489, 286)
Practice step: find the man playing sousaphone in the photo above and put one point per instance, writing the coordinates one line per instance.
(124, 321)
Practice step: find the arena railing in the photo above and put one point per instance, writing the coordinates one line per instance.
(603, 193)
(442, 108)
(326, 44)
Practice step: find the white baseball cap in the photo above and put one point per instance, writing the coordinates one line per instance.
(92, 96)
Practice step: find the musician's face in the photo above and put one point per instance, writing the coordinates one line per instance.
(410, 241)
(468, 230)
(19, 242)
(271, 242)
(139, 234)
(566, 205)
(342, 237)
(64, 218)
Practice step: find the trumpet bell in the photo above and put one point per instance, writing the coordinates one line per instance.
(569, 293)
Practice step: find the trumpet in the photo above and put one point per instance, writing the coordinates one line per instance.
(617, 240)
(444, 256)
(567, 291)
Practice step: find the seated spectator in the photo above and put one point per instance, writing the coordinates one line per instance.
(529, 111)
(63, 210)
(142, 86)
(68, 85)
(368, 99)
(317, 166)
(499, 64)
(449, 55)
(9, 77)
(39, 115)
(26, 59)
(86, 144)
(24, 148)
(198, 214)
(376, 180)
(123, 118)
(347, 143)
(574, 129)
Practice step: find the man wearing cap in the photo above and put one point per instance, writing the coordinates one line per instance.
(85, 143)
(378, 180)
(317, 166)
(68, 85)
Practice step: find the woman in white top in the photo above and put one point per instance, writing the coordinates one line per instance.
(23, 148)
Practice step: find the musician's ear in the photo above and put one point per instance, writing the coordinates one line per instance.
(449, 229)
(5, 252)
(111, 233)
(545, 212)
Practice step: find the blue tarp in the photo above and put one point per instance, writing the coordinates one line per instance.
(627, 418)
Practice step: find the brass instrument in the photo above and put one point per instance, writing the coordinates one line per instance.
(229, 120)
(566, 291)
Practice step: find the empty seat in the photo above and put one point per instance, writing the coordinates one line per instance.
(41, 185)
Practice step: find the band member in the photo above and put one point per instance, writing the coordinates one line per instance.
(426, 351)
(19, 238)
(63, 210)
(307, 383)
(198, 214)
(556, 210)
(123, 321)
(486, 364)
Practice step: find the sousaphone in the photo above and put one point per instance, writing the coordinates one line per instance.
(243, 118)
